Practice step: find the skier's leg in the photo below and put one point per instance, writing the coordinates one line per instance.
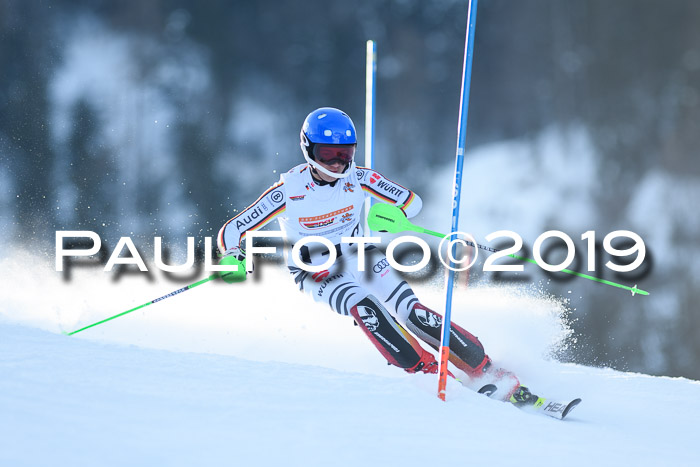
(393, 341)
(339, 288)
(466, 351)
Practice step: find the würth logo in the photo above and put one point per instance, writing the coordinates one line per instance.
(319, 276)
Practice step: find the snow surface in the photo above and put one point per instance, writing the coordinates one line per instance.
(254, 374)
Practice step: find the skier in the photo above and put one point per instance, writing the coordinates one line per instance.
(324, 197)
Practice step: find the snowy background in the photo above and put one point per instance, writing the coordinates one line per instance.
(146, 119)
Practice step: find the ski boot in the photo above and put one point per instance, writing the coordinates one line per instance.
(522, 397)
(427, 364)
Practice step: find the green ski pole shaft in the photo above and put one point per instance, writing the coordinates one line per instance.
(171, 294)
(634, 289)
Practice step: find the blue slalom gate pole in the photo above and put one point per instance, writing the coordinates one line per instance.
(370, 94)
(457, 192)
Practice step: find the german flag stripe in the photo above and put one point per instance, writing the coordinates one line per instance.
(377, 194)
(222, 244)
(262, 223)
(257, 226)
(276, 185)
(411, 197)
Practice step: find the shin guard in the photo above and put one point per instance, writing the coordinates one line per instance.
(466, 352)
(394, 342)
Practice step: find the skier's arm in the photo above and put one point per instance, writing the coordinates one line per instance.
(266, 208)
(390, 192)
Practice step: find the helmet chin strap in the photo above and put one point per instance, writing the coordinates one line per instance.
(318, 167)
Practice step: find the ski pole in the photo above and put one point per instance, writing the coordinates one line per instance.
(389, 218)
(184, 289)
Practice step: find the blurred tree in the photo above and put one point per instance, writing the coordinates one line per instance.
(26, 55)
(89, 167)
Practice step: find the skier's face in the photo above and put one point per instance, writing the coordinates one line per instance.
(335, 167)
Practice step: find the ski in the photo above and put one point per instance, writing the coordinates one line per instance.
(558, 410)
(524, 399)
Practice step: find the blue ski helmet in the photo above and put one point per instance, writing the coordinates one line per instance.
(328, 127)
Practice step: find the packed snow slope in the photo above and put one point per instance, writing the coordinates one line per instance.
(255, 374)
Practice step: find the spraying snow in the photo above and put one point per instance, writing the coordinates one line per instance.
(264, 319)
